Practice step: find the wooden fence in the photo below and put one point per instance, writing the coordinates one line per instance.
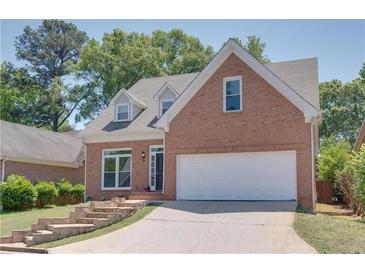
(324, 192)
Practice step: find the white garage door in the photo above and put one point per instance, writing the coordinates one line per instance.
(237, 176)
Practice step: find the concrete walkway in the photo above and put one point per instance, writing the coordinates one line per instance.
(204, 227)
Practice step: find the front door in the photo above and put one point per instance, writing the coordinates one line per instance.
(159, 171)
(156, 168)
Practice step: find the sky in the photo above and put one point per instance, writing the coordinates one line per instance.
(338, 44)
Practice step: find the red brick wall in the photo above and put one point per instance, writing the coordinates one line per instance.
(35, 172)
(268, 122)
(140, 168)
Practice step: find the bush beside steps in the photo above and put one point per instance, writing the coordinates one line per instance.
(18, 193)
(84, 219)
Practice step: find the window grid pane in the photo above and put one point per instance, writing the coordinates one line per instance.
(123, 112)
(124, 179)
(166, 105)
(232, 87)
(117, 152)
(233, 103)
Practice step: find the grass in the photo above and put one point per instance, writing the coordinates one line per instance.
(12, 220)
(99, 232)
(329, 233)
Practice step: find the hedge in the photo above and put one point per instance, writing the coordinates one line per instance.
(17, 193)
(47, 193)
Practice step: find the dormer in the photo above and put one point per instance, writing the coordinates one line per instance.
(164, 98)
(126, 106)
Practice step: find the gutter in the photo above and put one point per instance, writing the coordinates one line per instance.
(4, 159)
(42, 162)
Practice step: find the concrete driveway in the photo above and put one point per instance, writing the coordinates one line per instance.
(204, 227)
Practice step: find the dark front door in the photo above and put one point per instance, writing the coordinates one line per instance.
(159, 171)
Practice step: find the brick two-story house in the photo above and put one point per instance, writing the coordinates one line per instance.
(238, 130)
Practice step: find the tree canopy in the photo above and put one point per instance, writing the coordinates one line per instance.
(255, 47)
(39, 94)
(342, 108)
(51, 49)
(19, 92)
(122, 58)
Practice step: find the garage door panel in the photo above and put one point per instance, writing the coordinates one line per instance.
(240, 176)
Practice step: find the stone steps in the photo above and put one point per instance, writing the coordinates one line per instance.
(82, 220)
(21, 247)
(113, 209)
(94, 221)
(66, 230)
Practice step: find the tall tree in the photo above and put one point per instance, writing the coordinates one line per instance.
(51, 52)
(181, 53)
(122, 58)
(255, 47)
(342, 108)
(19, 92)
(50, 49)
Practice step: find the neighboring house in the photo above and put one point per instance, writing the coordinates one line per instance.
(360, 138)
(238, 130)
(40, 154)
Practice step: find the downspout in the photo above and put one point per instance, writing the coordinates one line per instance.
(85, 160)
(3, 168)
(313, 169)
(314, 122)
(164, 161)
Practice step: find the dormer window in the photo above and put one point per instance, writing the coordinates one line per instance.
(165, 105)
(164, 98)
(232, 94)
(123, 112)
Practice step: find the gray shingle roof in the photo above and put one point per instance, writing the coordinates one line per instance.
(34, 143)
(300, 75)
(144, 89)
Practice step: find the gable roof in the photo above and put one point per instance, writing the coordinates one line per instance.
(25, 142)
(163, 88)
(361, 137)
(139, 102)
(300, 75)
(144, 89)
(232, 47)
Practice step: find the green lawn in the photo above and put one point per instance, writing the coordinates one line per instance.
(330, 234)
(24, 219)
(128, 221)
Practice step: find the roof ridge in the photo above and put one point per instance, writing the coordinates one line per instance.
(166, 76)
(40, 129)
(294, 60)
(188, 73)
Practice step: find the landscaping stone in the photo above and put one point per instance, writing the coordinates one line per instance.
(83, 220)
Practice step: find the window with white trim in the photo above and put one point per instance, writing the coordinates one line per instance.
(232, 94)
(165, 105)
(117, 166)
(123, 112)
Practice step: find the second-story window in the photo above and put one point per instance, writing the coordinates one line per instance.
(165, 105)
(232, 94)
(123, 112)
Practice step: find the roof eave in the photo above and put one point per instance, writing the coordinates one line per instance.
(360, 137)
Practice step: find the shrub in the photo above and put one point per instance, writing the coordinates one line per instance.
(47, 193)
(348, 185)
(64, 188)
(333, 159)
(65, 193)
(17, 193)
(78, 192)
(358, 162)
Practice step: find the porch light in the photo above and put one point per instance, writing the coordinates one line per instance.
(143, 155)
